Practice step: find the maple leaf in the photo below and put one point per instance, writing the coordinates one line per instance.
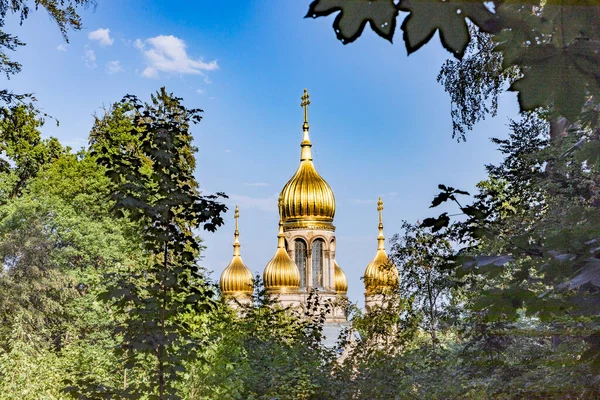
(427, 17)
(354, 15)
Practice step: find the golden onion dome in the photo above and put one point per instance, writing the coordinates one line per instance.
(340, 281)
(236, 279)
(307, 198)
(381, 275)
(281, 274)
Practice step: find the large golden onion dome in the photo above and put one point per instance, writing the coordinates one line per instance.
(381, 275)
(308, 200)
(340, 282)
(236, 280)
(281, 273)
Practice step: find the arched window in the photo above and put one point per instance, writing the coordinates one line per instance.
(300, 252)
(317, 263)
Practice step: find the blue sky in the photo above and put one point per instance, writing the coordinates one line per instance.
(380, 123)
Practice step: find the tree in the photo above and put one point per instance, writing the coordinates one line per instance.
(24, 151)
(147, 151)
(58, 242)
(421, 256)
(548, 41)
(547, 51)
(62, 12)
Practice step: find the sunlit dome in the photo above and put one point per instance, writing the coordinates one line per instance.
(281, 274)
(339, 279)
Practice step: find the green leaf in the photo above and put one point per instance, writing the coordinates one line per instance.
(436, 224)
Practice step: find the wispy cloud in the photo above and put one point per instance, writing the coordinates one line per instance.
(112, 67)
(168, 54)
(200, 91)
(364, 201)
(375, 198)
(89, 58)
(102, 36)
(268, 204)
(256, 184)
(61, 47)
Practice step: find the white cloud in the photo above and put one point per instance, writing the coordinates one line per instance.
(207, 80)
(150, 73)
(112, 67)
(61, 47)
(200, 91)
(89, 58)
(102, 36)
(257, 184)
(168, 54)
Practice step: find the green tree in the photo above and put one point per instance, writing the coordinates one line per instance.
(23, 150)
(261, 351)
(421, 257)
(151, 165)
(547, 41)
(58, 242)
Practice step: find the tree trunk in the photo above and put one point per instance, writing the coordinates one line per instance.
(161, 366)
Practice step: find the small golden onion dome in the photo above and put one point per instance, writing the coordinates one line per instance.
(340, 281)
(307, 198)
(281, 274)
(236, 280)
(381, 275)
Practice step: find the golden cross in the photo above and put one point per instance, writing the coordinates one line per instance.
(305, 103)
(236, 215)
(380, 209)
(280, 206)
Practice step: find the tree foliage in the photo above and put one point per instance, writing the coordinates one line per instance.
(552, 44)
(149, 159)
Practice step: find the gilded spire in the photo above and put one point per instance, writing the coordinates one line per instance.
(280, 235)
(306, 145)
(236, 234)
(308, 200)
(236, 280)
(380, 237)
(381, 274)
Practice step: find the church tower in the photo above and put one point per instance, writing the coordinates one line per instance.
(306, 209)
(381, 275)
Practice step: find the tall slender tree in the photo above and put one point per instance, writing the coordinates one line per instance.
(147, 150)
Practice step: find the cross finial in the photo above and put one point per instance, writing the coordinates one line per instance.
(236, 215)
(380, 209)
(236, 234)
(305, 103)
(280, 206)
